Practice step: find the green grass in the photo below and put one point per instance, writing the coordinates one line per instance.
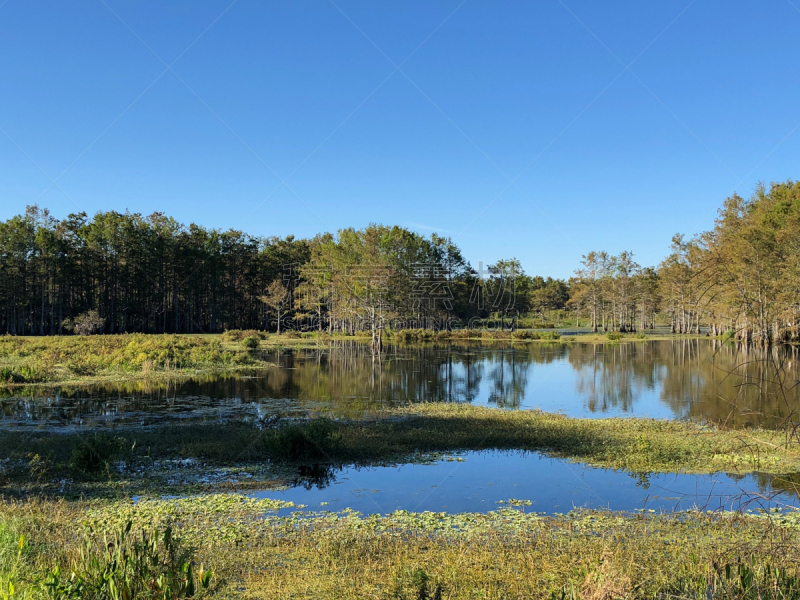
(115, 357)
(639, 446)
(228, 545)
(37, 363)
(505, 554)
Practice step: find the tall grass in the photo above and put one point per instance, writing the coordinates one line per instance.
(128, 564)
(58, 359)
(63, 560)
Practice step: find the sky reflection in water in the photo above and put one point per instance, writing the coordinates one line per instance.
(698, 379)
(553, 486)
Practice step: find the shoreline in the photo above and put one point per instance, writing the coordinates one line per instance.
(52, 362)
(111, 461)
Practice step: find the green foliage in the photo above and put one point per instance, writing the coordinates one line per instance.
(129, 564)
(13, 552)
(412, 335)
(251, 342)
(506, 553)
(24, 374)
(639, 446)
(526, 335)
(421, 582)
(40, 467)
(741, 275)
(9, 376)
(613, 336)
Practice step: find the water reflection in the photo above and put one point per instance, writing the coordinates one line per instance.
(698, 379)
(484, 479)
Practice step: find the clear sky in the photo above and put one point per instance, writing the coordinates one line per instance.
(540, 129)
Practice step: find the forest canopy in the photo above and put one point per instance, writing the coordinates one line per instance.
(126, 272)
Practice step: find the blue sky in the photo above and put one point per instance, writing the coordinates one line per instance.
(540, 130)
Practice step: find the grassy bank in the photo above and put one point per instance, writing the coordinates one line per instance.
(501, 555)
(105, 359)
(91, 462)
(74, 360)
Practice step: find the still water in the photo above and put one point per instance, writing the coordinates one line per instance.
(695, 379)
(482, 481)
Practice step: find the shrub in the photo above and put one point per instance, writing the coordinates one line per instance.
(88, 323)
(418, 335)
(403, 335)
(251, 342)
(550, 335)
(461, 333)
(613, 336)
(421, 580)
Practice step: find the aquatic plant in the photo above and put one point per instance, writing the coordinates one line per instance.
(128, 564)
(506, 553)
(114, 357)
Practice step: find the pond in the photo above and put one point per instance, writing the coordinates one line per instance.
(483, 481)
(697, 379)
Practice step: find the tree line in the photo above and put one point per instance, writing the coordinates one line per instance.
(135, 273)
(741, 277)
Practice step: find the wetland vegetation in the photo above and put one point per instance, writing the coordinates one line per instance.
(148, 462)
(239, 547)
(116, 459)
(108, 484)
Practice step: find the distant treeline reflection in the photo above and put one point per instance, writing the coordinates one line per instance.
(698, 379)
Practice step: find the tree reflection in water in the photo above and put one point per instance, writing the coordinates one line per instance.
(694, 378)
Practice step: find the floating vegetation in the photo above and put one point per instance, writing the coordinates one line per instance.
(508, 553)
